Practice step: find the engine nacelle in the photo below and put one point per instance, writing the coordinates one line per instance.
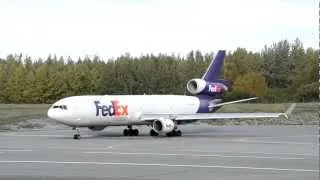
(97, 128)
(163, 125)
(196, 86)
(202, 87)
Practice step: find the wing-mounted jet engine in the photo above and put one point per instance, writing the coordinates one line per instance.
(164, 126)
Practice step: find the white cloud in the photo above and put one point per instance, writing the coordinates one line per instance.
(109, 28)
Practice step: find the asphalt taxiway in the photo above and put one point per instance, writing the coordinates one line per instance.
(203, 152)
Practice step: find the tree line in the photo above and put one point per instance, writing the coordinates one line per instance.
(281, 72)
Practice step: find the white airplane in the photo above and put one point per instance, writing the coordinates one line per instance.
(162, 112)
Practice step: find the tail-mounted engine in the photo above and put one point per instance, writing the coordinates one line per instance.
(202, 87)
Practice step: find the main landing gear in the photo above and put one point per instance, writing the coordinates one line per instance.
(130, 131)
(169, 134)
(77, 134)
(153, 133)
(174, 133)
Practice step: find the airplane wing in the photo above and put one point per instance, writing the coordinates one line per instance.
(216, 116)
(211, 116)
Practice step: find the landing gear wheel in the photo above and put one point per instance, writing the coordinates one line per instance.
(130, 132)
(135, 132)
(126, 132)
(174, 133)
(153, 133)
(178, 133)
(169, 134)
(76, 136)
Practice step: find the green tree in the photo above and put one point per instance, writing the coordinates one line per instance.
(279, 73)
(252, 83)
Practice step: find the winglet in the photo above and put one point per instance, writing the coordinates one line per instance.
(289, 111)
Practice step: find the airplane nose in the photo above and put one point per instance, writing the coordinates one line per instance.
(51, 114)
(55, 114)
(58, 114)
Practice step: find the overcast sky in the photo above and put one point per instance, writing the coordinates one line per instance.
(109, 28)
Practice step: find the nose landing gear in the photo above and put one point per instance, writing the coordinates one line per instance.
(77, 134)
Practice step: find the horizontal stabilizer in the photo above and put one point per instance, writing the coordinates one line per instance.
(232, 102)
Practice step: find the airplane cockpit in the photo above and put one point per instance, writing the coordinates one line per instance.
(63, 107)
(60, 111)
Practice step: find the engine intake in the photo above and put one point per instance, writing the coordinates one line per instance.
(163, 125)
(202, 87)
(195, 86)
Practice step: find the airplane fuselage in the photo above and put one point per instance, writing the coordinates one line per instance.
(109, 110)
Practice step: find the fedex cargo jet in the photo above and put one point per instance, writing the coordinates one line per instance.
(163, 113)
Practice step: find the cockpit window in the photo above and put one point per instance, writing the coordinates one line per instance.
(63, 107)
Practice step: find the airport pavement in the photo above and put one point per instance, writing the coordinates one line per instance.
(206, 152)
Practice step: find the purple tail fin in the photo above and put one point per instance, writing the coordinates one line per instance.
(213, 72)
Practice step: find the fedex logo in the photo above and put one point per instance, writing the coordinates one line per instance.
(113, 109)
(214, 88)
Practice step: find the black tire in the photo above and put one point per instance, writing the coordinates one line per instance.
(153, 133)
(174, 133)
(170, 134)
(76, 136)
(178, 133)
(126, 132)
(135, 132)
